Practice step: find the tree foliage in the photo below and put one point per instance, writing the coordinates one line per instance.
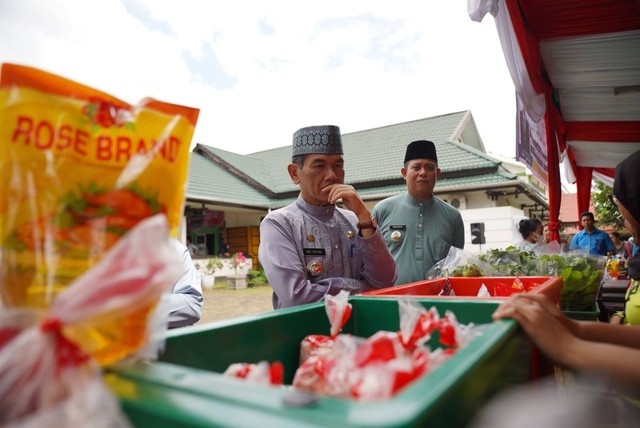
(605, 211)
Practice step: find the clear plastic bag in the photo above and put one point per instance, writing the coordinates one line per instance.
(459, 262)
(47, 374)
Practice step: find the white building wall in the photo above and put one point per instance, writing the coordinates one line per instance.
(498, 226)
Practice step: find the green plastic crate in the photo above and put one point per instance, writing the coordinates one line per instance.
(591, 315)
(186, 388)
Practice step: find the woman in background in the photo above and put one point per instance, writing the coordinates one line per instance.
(622, 248)
(532, 233)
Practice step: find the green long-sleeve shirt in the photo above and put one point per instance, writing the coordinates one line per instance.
(418, 233)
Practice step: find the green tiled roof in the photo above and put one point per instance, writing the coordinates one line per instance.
(208, 181)
(377, 154)
(371, 156)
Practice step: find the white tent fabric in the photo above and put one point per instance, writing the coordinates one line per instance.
(606, 180)
(532, 102)
(602, 104)
(596, 78)
(585, 56)
(601, 154)
(600, 60)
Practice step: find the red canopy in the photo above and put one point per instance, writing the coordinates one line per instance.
(582, 71)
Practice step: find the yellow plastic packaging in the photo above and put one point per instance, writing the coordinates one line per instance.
(78, 169)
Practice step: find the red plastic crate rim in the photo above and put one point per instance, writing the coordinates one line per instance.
(550, 286)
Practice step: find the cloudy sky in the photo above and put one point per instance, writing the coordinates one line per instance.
(259, 70)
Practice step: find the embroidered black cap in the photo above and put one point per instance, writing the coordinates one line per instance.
(324, 139)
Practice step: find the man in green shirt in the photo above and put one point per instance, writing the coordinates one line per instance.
(417, 227)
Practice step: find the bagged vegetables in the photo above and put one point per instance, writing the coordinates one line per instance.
(581, 273)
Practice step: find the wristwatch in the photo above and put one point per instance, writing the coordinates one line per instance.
(372, 224)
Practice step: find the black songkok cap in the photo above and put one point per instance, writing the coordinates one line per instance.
(421, 149)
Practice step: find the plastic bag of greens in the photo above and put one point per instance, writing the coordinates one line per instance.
(459, 263)
(510, 261)
(581, 275)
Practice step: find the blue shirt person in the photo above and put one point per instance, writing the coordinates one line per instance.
(594, 241)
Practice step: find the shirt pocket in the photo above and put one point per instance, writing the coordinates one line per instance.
(440, 249)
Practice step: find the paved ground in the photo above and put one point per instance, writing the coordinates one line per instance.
(220, 303)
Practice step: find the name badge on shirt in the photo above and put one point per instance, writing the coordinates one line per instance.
(396, 235)
(313, 251)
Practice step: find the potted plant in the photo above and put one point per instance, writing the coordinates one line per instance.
(210, 267)
(239, 279)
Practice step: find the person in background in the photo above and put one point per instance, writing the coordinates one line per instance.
(186, 294)
(547, 234)
(623, 248)
(418, 227)
(599, 348)
(591, 239)
(193, 248)
(312, 248)
(634, 247)
(515, 225)
(532, 233)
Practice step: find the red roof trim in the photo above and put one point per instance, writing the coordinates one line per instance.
(548, 19)
(623, 132)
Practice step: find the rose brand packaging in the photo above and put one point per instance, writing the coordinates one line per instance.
(78, 169)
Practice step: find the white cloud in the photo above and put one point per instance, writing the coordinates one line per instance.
(280, 65)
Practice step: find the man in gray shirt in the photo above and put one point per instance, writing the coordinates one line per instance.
(185, 301)
(312, 248)
(417, 227)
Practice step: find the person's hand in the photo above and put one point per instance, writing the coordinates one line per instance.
(352, 202)
(547, 305)
(616, 319)
(543, 322)
(350, 198)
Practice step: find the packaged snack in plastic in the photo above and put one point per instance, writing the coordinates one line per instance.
(315, 344)
(316, 350)
(338, 311)
(262, 372)
(416, 323)
(78, 169)
(378, 367)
